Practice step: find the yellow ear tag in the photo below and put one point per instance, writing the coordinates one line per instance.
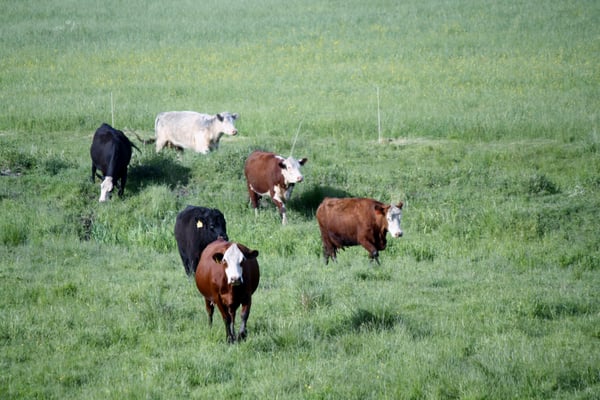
(199, 224)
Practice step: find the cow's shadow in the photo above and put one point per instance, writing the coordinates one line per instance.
(157, 170)
(308, 201)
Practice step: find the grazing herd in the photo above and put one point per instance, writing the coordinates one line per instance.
(227, 273)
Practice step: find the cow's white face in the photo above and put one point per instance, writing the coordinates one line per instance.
(227, 121)
(232, 259)
(106, 188)
(394, 218)
(290, 169)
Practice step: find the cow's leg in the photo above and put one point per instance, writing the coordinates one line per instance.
(329, 245)
(373, 252)
(244, 316)
(254, 198)
(160, 143)
(228, 318)
(210, 310)
(93, 173)
(189, 267)
(184, 260)
(122, 186)
(281, 206)
(230, 325)
(328, 251)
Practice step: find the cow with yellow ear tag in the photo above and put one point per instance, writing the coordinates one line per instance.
(195, 228)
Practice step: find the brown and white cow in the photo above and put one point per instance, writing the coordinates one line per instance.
(227, 275)
(192, 130)
(268, 174)
(357, 221)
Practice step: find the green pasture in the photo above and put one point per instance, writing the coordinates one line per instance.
(482, 116)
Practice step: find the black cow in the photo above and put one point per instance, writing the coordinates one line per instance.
(196, 228)
(111, 153)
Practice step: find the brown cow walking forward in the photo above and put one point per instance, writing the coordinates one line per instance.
(357, 221)
(227, 275)
(268, 174)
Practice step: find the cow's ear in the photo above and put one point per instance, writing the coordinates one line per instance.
(235, 116)
(199, 224)
(302, 161)
(399, 205)
(251, 254)
(379, 209)
(282, 165)
(220, 117)
(218, 258)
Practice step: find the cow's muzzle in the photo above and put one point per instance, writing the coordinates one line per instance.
(236, 281)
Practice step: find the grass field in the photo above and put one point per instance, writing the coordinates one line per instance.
(489, 133)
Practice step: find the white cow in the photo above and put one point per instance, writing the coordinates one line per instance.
(192, 130)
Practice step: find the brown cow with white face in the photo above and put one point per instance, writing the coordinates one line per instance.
(227, 275)
(357, 221)
(268, 174)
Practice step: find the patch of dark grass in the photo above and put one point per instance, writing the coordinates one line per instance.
(15, 161)
(374, 274)
(157, 170)
(13, 234)
(540, 184)
(381, 319)
(557, 309)
(309, 200)
(421, 251)
(377, 319)
(54, 165)
(581, 260)
(311, 298)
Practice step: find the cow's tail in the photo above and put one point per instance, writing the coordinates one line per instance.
(143, 141)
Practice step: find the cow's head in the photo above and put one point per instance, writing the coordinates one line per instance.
(232, 261)
(213, 225)
(394, 218)
(290, 169)
(106, 187)
(227, 121)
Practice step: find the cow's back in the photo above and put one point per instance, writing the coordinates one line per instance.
(177, 126)
(102, 147)
(261, 170)
(340, 212)
(346, 218)
(111, 151)
(183, 121)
